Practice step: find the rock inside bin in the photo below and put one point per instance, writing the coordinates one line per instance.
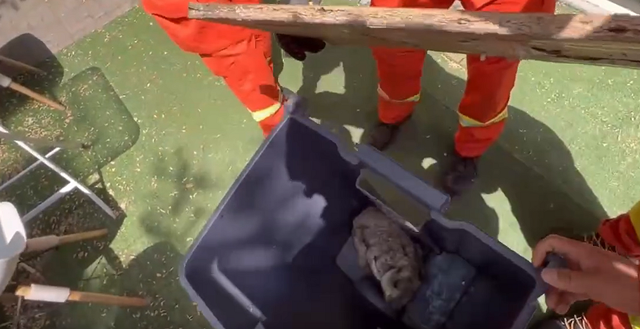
(447, 278)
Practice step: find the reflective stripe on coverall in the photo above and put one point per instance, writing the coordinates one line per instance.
(622, 232)
(489, 82)
(241, 56)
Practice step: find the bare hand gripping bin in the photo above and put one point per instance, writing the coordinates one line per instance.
(268, 256)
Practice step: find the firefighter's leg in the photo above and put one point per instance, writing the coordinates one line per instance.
(399, 73)
(245, 67)
(621, 234)
(483, 108)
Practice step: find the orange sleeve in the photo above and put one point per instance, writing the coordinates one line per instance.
(194, 36)
(623, 232)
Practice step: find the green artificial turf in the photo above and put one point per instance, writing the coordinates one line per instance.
(169, 139)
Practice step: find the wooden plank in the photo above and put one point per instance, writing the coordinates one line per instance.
(611, 40)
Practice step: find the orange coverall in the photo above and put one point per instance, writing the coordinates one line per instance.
(622, 232)
(241, 56)
(483, 108)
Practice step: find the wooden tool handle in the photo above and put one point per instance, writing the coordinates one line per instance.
(89, 297)
(92, 297)
(40, 98)
(21, 65)
(565, 38)
(83, 236)
(42, 243)
(51, 241)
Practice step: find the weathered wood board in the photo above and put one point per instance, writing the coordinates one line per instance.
(591, 39)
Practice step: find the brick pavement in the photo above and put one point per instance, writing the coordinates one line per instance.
(52, 23)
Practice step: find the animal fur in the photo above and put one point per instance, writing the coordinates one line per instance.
(388, 253)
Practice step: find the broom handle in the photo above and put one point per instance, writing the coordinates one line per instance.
(21, 65)
(82, 236)
(40, 98)
(92, 297)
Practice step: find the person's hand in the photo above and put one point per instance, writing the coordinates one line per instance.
(593, 273)
(298, 47)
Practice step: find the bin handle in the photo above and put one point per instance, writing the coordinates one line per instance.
(394, 173)
(552, 260)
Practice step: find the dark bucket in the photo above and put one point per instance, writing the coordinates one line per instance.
(268, 257)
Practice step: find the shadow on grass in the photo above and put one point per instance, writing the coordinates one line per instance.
(174, 216)
(170, 306)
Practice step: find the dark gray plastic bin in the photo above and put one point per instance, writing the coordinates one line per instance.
(267, 257)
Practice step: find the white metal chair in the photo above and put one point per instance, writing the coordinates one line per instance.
(45, 159)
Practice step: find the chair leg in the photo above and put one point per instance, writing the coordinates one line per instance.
(97, 201)
(64, 175)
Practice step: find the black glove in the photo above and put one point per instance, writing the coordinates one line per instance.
(298, 47)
